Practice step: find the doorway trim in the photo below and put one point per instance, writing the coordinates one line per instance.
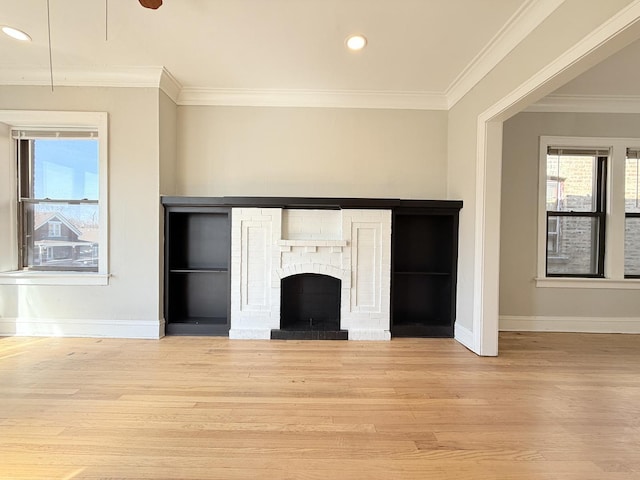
(608, 38)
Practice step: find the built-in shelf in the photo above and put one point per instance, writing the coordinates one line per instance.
(424, 272)
(435, 274)
(197, 253)
(201, 320)
(423, 328)
(199, 270)
(198, 326)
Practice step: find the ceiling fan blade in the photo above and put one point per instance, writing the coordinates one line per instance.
(154, 4)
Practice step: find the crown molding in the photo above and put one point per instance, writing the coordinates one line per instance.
(531, 14)
(587, 104)
(121, 77)
(312, 98)
(169, 85)
(160, 77)
(83, 77)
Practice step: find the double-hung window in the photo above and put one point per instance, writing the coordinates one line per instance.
(632, 215)
(55, 194)
(58, 198)
(589, 212)
(576, 181)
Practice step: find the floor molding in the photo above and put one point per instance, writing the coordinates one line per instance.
(49, 327)
(570, 324)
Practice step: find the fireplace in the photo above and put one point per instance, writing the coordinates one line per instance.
(305, 270)
(310, 308)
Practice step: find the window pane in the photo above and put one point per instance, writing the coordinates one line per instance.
(65, 169)
(571, 183)
(61, 236)
(553, 235)
(632, 186)
(573, 247)
(632, 246)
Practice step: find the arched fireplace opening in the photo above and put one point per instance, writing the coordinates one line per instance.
(310, 308)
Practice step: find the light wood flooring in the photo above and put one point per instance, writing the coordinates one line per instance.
(551, 406)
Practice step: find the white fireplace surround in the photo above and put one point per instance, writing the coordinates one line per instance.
(352, 245)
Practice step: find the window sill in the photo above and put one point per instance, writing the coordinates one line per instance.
(626, 284)
(53, 278)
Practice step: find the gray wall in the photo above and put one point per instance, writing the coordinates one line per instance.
(168, 112)
(134, 241)
(311, 152)
(518, 262)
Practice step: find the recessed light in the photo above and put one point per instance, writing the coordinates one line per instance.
(15, 33)
(356, 42)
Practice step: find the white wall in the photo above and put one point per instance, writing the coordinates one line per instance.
(129, 305)
(311, 152)
(519, 296)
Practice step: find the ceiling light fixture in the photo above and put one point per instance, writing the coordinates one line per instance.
(356, 42)
(15, 33)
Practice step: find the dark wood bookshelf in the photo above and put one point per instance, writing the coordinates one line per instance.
(423, 266)
(197, 257)
(424, 269)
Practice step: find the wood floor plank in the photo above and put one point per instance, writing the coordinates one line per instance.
(550, 407)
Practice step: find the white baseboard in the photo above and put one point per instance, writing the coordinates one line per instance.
(250, 334)
(464, 336)
(570, 324)
(369, 335)
(59, 327)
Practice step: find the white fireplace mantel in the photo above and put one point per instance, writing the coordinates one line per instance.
(269, 244)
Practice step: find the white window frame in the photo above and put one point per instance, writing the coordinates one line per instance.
(615, 213)
(32, 119)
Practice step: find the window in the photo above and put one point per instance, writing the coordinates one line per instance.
(553, 237)
(55, 229)
(632, 215)
(59, 198)
(589, 212)
(575, 206)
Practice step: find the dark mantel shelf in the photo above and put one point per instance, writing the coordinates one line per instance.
(309, 202)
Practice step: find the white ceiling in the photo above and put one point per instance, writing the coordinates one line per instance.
(430, 51)
(435, 48)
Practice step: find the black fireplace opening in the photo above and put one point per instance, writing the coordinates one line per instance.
(310, 308)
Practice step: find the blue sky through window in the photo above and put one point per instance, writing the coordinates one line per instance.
(66, 169)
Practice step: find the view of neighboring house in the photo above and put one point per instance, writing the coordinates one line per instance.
(58, 242)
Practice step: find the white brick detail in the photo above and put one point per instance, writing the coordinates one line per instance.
(270, 244)
(255, 266)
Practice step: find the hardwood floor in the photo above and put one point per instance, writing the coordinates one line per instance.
(551, 406)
